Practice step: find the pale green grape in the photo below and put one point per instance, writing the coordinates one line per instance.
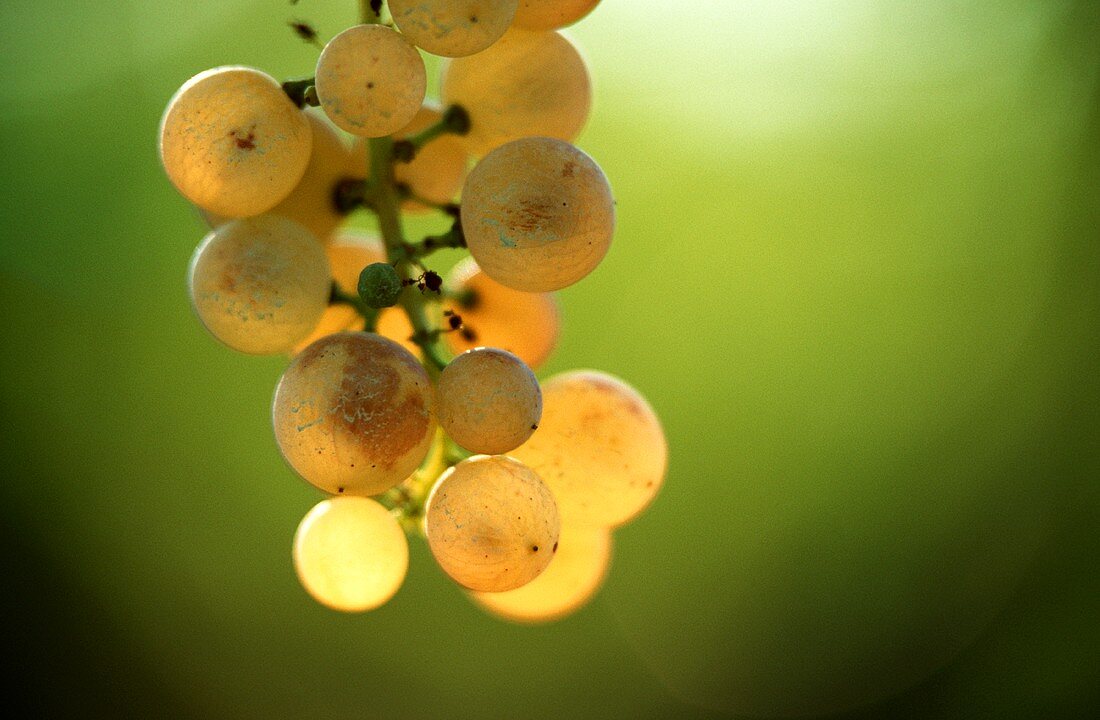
(551, 14)
(259, 284)
(370, 80)
(353, 413)
(233, 143)
(537, 214)
(599, 447)
(350, 554)
(527, 83)
(488, 401)
(453, 28)
(492, 524)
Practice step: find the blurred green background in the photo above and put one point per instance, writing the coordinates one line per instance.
(856, 272)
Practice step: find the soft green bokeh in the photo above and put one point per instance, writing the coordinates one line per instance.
(855, 271)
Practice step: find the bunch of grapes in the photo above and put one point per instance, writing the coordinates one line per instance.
(411, 399)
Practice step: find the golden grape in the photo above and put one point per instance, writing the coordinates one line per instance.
(488, 401)
(453, 28)
(551, 14)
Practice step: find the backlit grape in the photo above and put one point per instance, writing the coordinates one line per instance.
(259, 284)
(492, 524)
(488, 401)
(599, 447)
(233, 143)
(453, 27)
(437, 171)
(537, 214)
(353, 413)
(350, 554)
(551, 14)
(370, 80)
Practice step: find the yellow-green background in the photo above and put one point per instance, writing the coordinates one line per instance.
(856, 272)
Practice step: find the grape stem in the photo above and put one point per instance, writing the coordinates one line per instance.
(455, 120)
(370, 11)
(453, 238)
(302, 92)
(370, 315)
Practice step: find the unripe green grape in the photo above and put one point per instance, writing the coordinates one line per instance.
(353, 414)
(347, 255)
(525, 324)
(350, 554)
(453, 28)
(488, 401)
(259, 284)
(537, 214)
(437, 171)
(233, 143)
(551, 14)
(370, 80)
(528, 83)
(599, 447)
(566, 585)
(491, 523)
(379, 285)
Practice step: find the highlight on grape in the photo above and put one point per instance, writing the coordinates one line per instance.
(410, 398)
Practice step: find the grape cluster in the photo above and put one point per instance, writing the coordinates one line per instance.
(411, 399)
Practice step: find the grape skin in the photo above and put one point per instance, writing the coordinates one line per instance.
(232, 142)
(370, 80)
(537, 214)
(551, 14)
(488, 401)
(491, 523)
(566, 585)
(528, 83)
(525, 324)
(353, 414)
(453, 28)
(350, 554)
(600, 448)
(259, 284)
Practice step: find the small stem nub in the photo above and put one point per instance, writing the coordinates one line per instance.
(302, 92)
(455, 120)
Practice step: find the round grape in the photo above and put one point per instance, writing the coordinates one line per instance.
(379, 285)
(488, 401)
(551, 14)
(259, 284)
(537, 214)
(350, 554)
(437, 171)
(233, 143)
(528, 83)
(453, 28)
(491, 523)
(353, 414)
(370, 80)
(566, 585)
(525, 324)
(599, 447)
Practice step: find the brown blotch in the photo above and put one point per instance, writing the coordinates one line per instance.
(244, 142)
(568, 169)
(529, 214)
(534, 548)
(555, 548)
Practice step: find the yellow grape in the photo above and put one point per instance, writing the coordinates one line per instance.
(453, 28)
(259, 284)
(528, 83)
(437, 171)
(370, 80)
(353, 413)
(488, 401)
(348, 254)
(565, 586)
(525, 324)
(551, 14)
(350, 554)
(233, 143)
(599, 447)
(537, 214)
(491, 523)
(394, 324)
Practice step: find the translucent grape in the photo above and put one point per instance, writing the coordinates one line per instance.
(566, 585)
(437, 171)
(453, 28)
(259, 284)
(311, 202)
(488, 401)
(233, 143)
(528, 83)
(350, 554)
(491, 523)
(353, 414)
(599, 447)
(537, 214)
(370, 80)
(551, 14)
(349, 253)
(524, 324)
